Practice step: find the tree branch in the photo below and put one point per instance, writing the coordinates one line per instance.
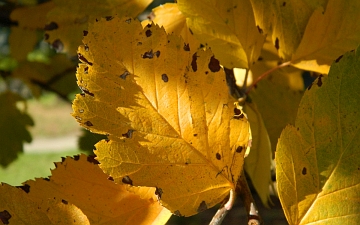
(223, 210)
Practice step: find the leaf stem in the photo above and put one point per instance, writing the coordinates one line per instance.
(223, 210)
(262, 76)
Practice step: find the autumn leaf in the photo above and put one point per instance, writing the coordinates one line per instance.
(317, 160)
(14, 123)
(68, 20)
(169, 119)
(227, 27)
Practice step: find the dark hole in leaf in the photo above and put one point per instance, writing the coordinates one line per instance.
(85, 32)
(177, 213)
(148, 26)
(260, 58)
(303, 171)
(237, 111)
(63, 159)
(319, 82)
(76, 157)
(214, 64)
(51, 26)
(206, 72)
(110, 178)
(88, 123)
(128, 21)
(165, 78)
(338, 59)
(259, 29)
(127, 180)
(5, 216)
(202, 46)
(86, 47)
(57, 45)
(239, 149)
(158, 192)
(277, 44)
(195, 135)
(310, 86)
(202, 207)
(148, 33)
(108, 18)
(186, 47)
(46, 179)
(64, 201)
(86, 70)
(86, 91)
(157, 53)
(46, 36)
(91, 159)
(218, 156)
(193, 62)
(284, 4)
(124, 75)
(191, 31)
(128, 134)
(83, 59)
(148, 55)
(139, 43)
(25, 188)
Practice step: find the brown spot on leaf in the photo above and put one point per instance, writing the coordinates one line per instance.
(237, 112)
(165, 78)
(157, 53)
(148, 33)
(239, 149)
(260, 58)
(86, 70)
(57, 45)
(91, 159)
(51, 26)
(127, 180)
(177, 213)
(5, 216)
(25, 188)
(124, 75)
(158, 192)
(84, 60)
(310, 86)
(202, 207)
(110, 178)
(191, 32)
(148, 55)
(86, 91)
(128, 134)
(108, 18)
(128, 21)
(259, 29)
(338, 59)
(85, 32)
(139, 43)
(284, 4)
(46, 36)
(218, 156)
(46, 179)
(277, 44)
(186, 47)
(148, 26)
(303, 171)
(195, 135)
(88, 123)
(76, 157)
(214, 65)
(86, 47)
(319, 82)
(64, 201)
(193, 62)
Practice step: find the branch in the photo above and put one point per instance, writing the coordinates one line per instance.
(223, 210)
(262, 76)
(245, 194)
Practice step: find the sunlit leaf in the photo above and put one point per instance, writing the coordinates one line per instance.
(228, 27)
(167, 113)
(317, 160)
(13, 127)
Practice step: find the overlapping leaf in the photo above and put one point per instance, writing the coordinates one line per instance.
(166, 112)
(318, 159)
(13, 127)
(228, 27)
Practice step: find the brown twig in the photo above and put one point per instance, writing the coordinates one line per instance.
(262, 76)
(223, 210)
(245, 194)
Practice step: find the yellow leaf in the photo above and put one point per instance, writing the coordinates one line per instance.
(168, 115)
(258, 162)
(68, 21)
(329, 33)
(174, 22)
(16, 207)
(81, 182)
(227, 27)
(317, 159)
(22, 41)
(14, 123)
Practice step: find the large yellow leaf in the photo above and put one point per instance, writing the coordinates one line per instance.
(16, 207)
(329, 33)
(167, 112)
(68, 20)
(81, 182)
(228, 27)
(317, 160)
(21, 42)
(14, 123)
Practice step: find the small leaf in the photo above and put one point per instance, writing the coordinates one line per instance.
(163, 133)
(317, 160)
(13, 127)
(227, 27)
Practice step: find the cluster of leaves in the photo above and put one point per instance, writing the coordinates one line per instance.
(159, 91)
